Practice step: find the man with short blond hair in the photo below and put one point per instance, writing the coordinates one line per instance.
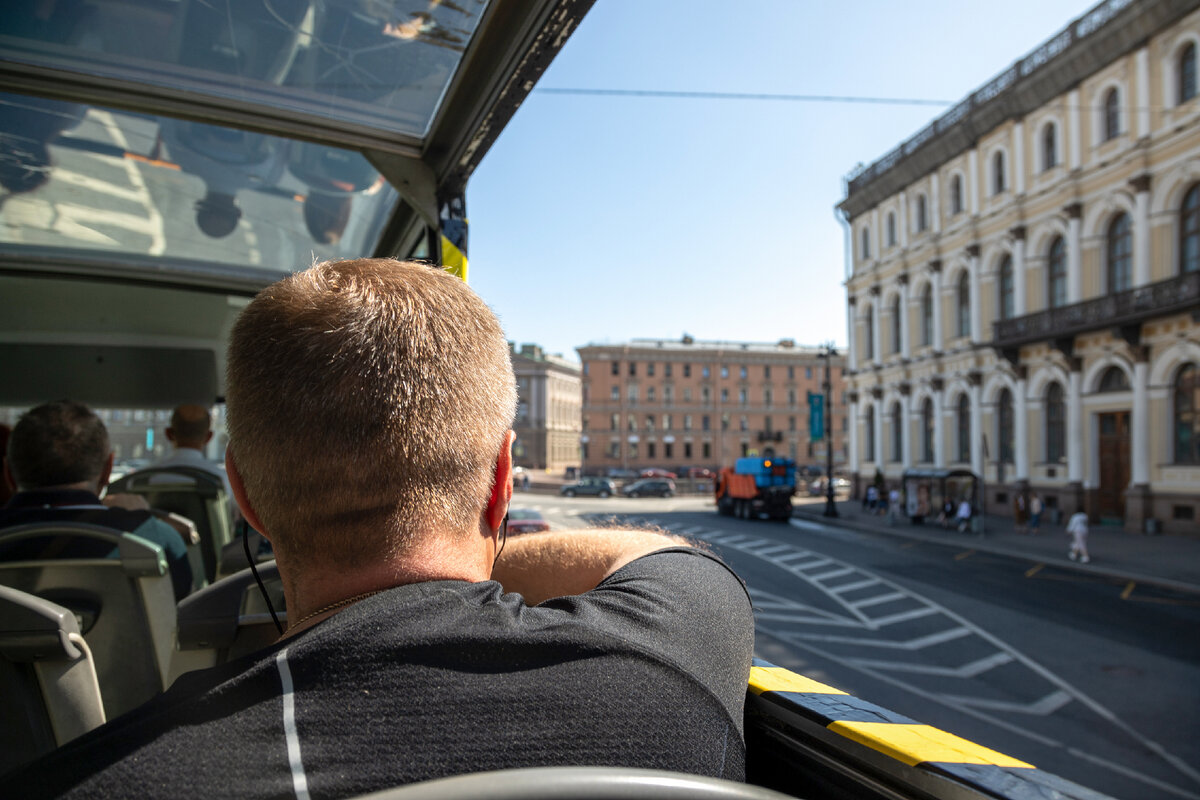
(370, 407)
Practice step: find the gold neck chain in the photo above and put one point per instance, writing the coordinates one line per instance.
(331, 607)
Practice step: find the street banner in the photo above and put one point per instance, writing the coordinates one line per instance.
(816, 416)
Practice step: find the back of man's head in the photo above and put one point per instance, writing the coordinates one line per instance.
(190, 425)
(57, 444)
(368, 401)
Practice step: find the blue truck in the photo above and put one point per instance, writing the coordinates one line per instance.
(756, 487)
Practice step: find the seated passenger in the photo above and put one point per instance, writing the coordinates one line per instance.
(370, 406)
(58, 462)
(190, 431)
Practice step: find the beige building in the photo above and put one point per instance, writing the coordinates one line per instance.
(687, 403)
(1025, 290)
(548, 410)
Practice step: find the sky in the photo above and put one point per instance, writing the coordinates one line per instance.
(601, 219)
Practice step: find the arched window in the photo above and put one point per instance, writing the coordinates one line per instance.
(1004, 426)
(869, 439)
(869, 329)
(1056, 274)
(927, 431)
(962, 418)
(1007, 292)
(999, 181)
(891, 229)
(1119, 249)
(866, 243)
(1114, 379)
(896, 320)
(956, 195)
(1187, 73)
(1049, 146)
(1056, 424)
(1186, 427)
(922, 213)
(1112, 114)
(963, 304)
(927, 315)
(1189, 231)
(897, 432)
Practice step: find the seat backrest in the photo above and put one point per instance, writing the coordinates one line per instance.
(192, 493)
(228, 619)
(48, 688)
(121, 595)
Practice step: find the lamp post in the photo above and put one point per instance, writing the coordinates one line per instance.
(829, 354)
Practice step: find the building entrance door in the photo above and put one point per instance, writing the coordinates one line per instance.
(1114, 464)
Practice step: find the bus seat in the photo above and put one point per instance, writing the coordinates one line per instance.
(192, 493)
(124, 605)
(48, 689)
(227, 619)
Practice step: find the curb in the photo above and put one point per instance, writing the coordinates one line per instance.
(982, 544)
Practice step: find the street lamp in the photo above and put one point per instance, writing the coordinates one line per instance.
(829, 354)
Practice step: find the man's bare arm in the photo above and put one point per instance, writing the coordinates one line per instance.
(557, 563)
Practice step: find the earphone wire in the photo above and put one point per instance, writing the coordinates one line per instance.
(254, 569)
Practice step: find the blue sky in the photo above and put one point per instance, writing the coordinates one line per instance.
(603, 219)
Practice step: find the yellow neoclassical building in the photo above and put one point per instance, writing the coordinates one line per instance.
(1025, 283)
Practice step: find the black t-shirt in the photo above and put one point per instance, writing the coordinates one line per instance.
(434, 679)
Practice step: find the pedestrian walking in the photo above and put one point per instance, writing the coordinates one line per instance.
(1077, 527)
(893, 506)
(1035, 513)
(1019, 512)
(872, 498)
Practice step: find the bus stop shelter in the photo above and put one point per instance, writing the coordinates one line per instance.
(926, 491)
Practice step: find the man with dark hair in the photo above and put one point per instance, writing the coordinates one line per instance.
(370, 413)
(58, 461)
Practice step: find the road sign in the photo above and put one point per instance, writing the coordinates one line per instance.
(816, 416)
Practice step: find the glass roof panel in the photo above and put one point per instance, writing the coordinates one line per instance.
(382, 63)
(103, 184)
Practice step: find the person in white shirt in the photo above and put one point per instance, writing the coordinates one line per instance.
(190, 431)
(964, 515)
(1077, 526)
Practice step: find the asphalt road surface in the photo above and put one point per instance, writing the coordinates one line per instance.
(1068, 672)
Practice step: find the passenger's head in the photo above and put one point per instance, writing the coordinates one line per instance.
(57, 444)
(368, 402)
(326, 216)
(190, 426)
(217, 214)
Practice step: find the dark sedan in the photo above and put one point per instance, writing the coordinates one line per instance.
(650, 487)
(526, 520)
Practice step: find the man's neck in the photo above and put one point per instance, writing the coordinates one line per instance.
(316, 594)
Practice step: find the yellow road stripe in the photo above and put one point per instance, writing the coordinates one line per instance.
(915, 744)
(967, 554)
(1128, 590)
(1034, 570)
(778, 679)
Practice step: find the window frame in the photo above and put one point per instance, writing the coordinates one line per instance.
(1056, 273)
(1007, 291)
(1185, 415)
(1110, 114)
(1118, 253)
(1189, 231)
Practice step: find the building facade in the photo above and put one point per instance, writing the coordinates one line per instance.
(549, 400)
(1025, 281)
(687, 403)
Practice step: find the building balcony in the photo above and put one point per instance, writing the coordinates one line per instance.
(1123, 311)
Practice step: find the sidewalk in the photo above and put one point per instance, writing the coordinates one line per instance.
(1168, 561)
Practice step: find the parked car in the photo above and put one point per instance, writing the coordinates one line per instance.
(600, 487)
(650, 487)
(657, 472)
(526, 520)
(699, 472)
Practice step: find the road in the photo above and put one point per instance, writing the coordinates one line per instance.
(1064, 671)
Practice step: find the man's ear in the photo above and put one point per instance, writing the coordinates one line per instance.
(239, 494)
(497, 505)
